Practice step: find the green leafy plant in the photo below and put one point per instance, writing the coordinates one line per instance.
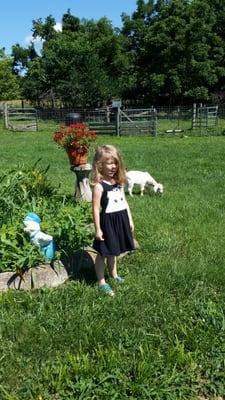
(28, 189)
(21, 185)
(69, 226)
(16, 251)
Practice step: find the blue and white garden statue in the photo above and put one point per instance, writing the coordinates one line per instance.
(37, 237)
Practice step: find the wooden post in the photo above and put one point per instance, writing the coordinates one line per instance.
(36, 120)
(82, 185)
(216, 122)
(118, 121)
(6, 116)
(116, 104)
(107, 114)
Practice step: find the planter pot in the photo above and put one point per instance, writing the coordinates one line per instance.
(77, 155)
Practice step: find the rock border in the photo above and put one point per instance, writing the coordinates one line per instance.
(51, 276)
(44, 275)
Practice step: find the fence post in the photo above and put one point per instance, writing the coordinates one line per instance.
(153, 115)
(155, 122)
(116, 104)
(200, 110)
(178, 116)
(118, 121)
(107, 114)
(194, 116)
(6, 115)
(216, 115)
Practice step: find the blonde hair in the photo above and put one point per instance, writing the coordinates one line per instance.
(102, 154)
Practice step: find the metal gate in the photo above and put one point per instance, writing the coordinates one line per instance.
(204, 117)
(20, 119)
(137, 121)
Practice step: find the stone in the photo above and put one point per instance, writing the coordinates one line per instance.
(35, 278)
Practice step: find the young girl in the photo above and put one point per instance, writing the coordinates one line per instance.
(111, 214)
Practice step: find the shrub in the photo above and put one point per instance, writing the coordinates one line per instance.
(25, 190)
(21, 185)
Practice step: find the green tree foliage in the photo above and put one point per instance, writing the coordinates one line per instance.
(110, 48)
(167, 50)
(34, 83)
(44, 30)
(70, 23)
(76, 60)
(179, 51)
(204, 51)
(28, 65)
(22, 56)
(83, 64)
(9, 82)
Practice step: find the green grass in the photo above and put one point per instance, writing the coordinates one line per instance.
(163, 335)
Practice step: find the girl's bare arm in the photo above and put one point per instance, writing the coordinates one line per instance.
(96, 207)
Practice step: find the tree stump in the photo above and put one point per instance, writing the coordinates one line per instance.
(82, 184)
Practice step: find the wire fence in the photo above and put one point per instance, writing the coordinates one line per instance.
(155, 120)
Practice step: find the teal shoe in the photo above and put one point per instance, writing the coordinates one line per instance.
(106, 289)
(118, 279)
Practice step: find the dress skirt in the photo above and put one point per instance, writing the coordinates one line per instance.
(116, 233)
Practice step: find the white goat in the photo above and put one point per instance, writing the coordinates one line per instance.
(144, 179)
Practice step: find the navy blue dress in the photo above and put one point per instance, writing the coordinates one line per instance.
(114, 222)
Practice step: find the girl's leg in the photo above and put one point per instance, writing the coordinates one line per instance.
(100, 269)
(112, 265)
(100, 272)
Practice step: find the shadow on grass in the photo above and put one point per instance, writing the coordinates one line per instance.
(80, 266)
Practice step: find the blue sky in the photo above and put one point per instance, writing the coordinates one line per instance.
(16, 16)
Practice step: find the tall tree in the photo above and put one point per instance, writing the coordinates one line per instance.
(165, 46)
(22, 56)
(178, 48)
(70, 23)
(9, 82)
(44, 30)
(73, 70)
(204, 51)
(35, 82)
(83, 64)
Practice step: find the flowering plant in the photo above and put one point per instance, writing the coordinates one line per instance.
(74, 136)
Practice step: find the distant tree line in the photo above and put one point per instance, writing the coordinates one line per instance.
(167, 51)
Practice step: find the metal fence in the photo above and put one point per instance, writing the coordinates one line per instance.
(165, 121)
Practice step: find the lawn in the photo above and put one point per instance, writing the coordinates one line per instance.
(162, 336)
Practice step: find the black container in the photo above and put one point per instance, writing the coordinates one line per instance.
(72, 118)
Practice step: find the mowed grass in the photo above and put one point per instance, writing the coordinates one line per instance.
(163, 334)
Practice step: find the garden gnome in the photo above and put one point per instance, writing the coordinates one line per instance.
(43, 240)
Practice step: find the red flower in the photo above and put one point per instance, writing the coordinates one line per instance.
(74, 135)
